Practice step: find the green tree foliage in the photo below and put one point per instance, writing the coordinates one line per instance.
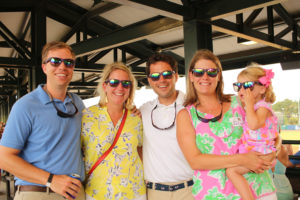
(288, 110)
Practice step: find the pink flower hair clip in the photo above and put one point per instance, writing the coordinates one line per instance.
(266, 80)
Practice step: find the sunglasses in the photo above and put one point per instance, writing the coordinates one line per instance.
(115, 82)
(249, 84)
(199, 72)
(61, 113)
(164, 128)
(166, 74)
(55, 62)
(206, 120)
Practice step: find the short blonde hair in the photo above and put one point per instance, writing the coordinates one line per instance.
(254, 72)
(191, 96)
(108, 69)
(55, 45)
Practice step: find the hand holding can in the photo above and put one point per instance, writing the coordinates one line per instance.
(76, 176)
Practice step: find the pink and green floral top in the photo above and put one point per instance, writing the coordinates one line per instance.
(263, 139)
(223, 138)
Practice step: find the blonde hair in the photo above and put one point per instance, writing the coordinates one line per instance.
(108, 69)
(191, 96)
(53, 46)
(254, 72)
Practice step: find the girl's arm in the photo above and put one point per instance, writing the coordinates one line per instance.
(186, 137)
(256, 119)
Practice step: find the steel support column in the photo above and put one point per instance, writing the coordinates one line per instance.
(115, 54)
(197, 35)
(38, 38)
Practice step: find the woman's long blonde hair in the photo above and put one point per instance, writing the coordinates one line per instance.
(254, 72)
(108, 69)
(191, 95)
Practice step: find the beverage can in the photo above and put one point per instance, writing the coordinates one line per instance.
(76, 176)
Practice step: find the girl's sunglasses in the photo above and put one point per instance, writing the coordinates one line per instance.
(55, 62)
(165, 74)
(115, 82)
(249, 84)
(199, 72)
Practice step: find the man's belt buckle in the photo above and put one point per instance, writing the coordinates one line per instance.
(163, 187)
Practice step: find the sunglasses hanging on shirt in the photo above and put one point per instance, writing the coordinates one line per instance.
(173, 123)
(59, 112)
(205, 120)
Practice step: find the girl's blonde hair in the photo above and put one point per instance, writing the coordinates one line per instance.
(254, 72)
(191, 95)
(108, 69)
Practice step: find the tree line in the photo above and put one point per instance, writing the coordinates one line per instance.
(287, 112)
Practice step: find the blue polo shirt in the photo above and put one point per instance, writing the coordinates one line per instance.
(45, 140)
(296, 162)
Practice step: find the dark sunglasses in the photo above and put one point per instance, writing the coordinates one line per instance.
(59, 112)
(199, 72)
(116, 82)
(63, 114)
(165, 128)
(55, 62)
(206, 120)
(249, 84)
(166, 74)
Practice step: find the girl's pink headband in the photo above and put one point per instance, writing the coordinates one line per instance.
(266, 80)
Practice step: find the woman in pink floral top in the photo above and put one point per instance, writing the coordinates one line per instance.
(209, 133)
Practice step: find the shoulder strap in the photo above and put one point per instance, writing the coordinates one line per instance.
(112, 146)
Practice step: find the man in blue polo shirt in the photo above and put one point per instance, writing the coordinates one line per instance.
(41, 141)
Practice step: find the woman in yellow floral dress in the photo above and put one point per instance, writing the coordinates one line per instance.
(120, 174)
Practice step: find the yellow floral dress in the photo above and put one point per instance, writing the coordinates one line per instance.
(120, 174)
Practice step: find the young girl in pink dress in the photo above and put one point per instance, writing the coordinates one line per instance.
(260, 126)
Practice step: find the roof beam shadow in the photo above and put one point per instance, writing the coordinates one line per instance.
(208, 11)
(250, 34)
(17, 45)
(88, 15)
(126, 35)
(281, 11)
(158, 7)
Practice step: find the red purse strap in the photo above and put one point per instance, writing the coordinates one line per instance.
(112, 146)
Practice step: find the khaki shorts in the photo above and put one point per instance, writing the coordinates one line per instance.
(28, 195)
(180, 194)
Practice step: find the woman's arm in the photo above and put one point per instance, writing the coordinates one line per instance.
(186, 137)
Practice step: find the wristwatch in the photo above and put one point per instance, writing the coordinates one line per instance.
(48, 184)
